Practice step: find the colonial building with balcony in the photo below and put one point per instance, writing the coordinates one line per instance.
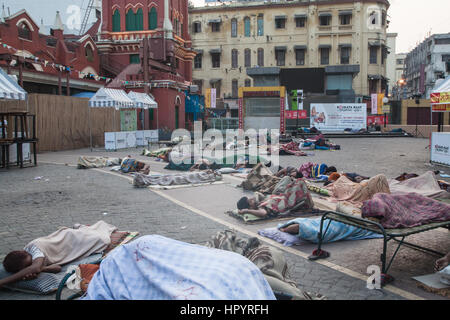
(145, 46)
(336, 47)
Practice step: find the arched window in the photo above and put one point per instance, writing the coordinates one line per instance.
(261, 57)
(130, 21)
(89, 53)
(233, 28)
(24, 31)
(116, 21)
(153, 19)
(139, 16)
(234, 58)
(247, 58)
(247, 26)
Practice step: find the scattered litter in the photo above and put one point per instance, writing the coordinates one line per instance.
(38, 178)
(184, 227)
(443, 175)
(68, 177)
(47, 180)
(402, 155)
(105, 213)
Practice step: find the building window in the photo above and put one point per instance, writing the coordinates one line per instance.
(89, 52)
(197, 27)
(325, 20)
(135, 59)
(248, 83)
(260, 23)
(280, 56)
(175, 26)
(442, 41)
(234, 88)
(24, 31)
(300, 22)
(345, 55)
(153, 19)
(234, 58)
(346, 19)
(199, 84)
(384, 53)
(215, 60)
(134, 21)
(373, 55)
(215, 27)
(261, 57)
(324, 55)
(247, 26)
(198, 61)
(400, 61)
(233, 28)
(300, 57)
(383, 18)
(280, 23)
(247, 58)
(216, 85)
(116, 21)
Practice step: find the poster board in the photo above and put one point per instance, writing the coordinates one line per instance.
(440, 147)
(338, 116)
(128, 120)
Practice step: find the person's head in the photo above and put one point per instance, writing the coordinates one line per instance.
(246, 203)
(16, 261)
(331, 169)
(296, 174)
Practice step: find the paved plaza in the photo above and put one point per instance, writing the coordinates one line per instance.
(65, 195)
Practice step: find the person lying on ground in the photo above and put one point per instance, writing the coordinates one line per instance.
(442, 263)
(154, 267)
(295, 193)
(48, 254)
(132, 165)
(289, 171)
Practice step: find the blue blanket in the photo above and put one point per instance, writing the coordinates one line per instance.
(309, 230)
(159, 268)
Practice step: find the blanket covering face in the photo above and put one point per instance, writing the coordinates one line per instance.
(158, 268)
(405, 211)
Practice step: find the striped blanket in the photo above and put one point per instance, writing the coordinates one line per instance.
(141, 180)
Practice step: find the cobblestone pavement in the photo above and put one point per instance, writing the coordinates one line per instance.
(32, 208)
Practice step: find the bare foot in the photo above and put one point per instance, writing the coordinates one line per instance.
(442, 263)
(292, 229)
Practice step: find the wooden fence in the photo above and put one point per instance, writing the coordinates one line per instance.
(64, 123)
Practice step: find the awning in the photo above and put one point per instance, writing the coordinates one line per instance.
(215, 20)
(345, 12)
(211, 81)
(375, 44)
(325, 14)
(280, 17)
(9, 89)
(300, 16)
(325, 46)
(111, 98)
(345, 45)
(300, 47)
(215, 51)
(142, 100)
(199, 51)
(282, 48)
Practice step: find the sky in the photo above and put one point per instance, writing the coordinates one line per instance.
(413, 20)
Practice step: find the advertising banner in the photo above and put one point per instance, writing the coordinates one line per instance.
(337, 117)
(377, 120)
(300, 114)
(440, 98)
(440, 147)
(374, 100)
(208, 98)
(440, 107)
(213, 98)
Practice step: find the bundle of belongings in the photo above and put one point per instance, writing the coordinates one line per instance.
(313, 171)
(130, 165)
(141, 180)
(291, 148)
(85, 162)
(395, 204)
(319, 142)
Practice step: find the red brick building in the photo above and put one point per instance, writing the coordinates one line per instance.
(44, 63)
(145, 46)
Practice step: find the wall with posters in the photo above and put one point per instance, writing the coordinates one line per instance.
(340, 116)
(440, 147)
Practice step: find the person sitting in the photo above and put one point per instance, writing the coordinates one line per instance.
(47, 254)
(293, 194)
(132, 165)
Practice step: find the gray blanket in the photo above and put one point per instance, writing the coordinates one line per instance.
(141, 180)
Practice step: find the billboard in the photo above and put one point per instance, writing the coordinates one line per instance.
(440, 147)
(338, 116)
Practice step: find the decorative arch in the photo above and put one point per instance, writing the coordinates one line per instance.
(116, 25)
(153, 18)
(26, 22)
(177, 100)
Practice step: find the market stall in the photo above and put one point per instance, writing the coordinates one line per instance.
(440, 141)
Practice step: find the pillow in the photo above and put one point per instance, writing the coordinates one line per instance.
(282, 237)
(226, 170)
(45, 283)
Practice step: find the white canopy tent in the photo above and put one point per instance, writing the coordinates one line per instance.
(9, 89)
(142, 100)
(109, 98)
